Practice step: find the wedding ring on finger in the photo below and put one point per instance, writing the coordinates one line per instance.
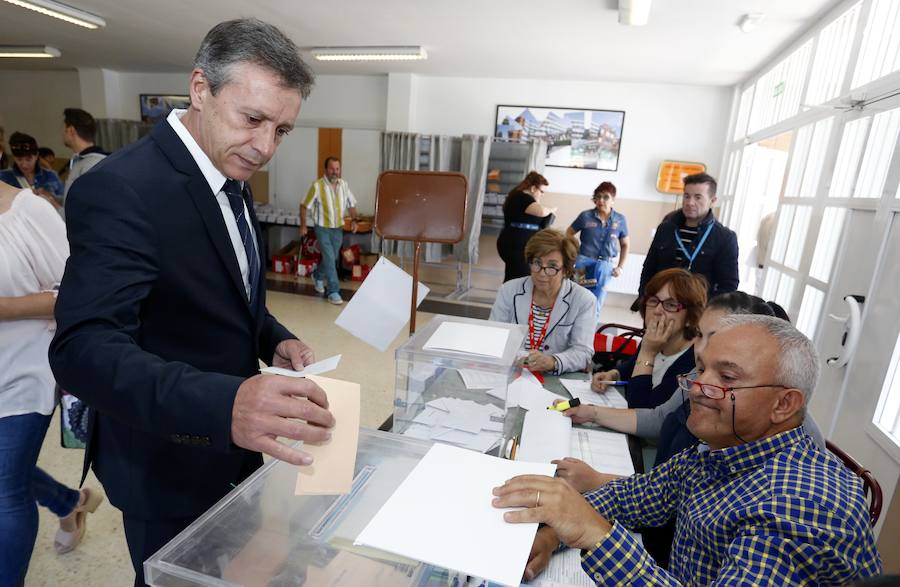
(537, 500)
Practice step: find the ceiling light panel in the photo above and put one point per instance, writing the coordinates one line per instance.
(62, 12)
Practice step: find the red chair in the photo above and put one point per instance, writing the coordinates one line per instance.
(870, 483)
(611, 348)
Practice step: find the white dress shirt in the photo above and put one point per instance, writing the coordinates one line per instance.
(216, 182)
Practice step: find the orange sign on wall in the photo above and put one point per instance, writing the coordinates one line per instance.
(671, 174)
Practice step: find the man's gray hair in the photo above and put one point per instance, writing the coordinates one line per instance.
(798, 362)
(250, 40)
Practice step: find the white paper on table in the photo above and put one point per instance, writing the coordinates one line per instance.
(431, 515)
(604, 450)
(582, 390)
(379, 309)
(546, 435)
(481, 441)
(528, 394)
(323, 366)
(480, 380)
(474, 339)
(564, 570)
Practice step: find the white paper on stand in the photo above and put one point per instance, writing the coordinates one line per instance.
(379, 309)
(469, 338)
(582, 390)
(323, 366)
(546, 435)
(431, 515)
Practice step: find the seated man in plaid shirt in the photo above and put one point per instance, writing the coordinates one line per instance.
(757, 504)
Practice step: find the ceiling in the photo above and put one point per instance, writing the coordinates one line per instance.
(689, 41)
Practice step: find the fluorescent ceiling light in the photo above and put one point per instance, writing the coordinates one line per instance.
(62, 12)
(38, 51)
(405, 53)
(750, 21)
(634, 12)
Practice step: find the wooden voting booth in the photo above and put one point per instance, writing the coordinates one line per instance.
(422, 207)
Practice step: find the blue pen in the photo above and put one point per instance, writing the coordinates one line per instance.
(611, 382)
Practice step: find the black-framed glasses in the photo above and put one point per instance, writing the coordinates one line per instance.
(549, 270)
(669, 305)
(688, 380)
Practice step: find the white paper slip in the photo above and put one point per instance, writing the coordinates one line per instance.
(603, 450)
(379, 309)
(474, 339)
(564, 570)
(431, 515)
(527, 393)
(582, 390)
(546, 435)
(323, 366)
(480, 380)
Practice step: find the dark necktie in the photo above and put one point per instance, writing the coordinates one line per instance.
(236, 200)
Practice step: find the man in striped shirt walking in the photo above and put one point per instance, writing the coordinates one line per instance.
(330, 199)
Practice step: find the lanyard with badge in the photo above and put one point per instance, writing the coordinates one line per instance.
(690, 257)
(536, 342)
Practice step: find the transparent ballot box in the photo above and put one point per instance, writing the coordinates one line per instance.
(263, 534)
(452, 379)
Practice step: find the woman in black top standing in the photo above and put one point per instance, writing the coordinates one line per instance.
(523, 215)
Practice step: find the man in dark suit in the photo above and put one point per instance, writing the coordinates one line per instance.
(161, 314)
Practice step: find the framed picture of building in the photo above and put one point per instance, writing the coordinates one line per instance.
(155, 107)
(580, 138)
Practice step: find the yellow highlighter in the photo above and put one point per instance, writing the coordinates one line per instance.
(563, 406)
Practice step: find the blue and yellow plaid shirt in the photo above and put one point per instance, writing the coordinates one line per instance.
(777, 511)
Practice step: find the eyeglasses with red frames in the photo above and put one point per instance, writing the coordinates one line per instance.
(688, 380)
(669, 305)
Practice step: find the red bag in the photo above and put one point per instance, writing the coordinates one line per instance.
(309, 248)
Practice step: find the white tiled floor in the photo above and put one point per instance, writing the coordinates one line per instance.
(102, 559)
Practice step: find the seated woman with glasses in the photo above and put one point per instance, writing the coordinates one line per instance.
(671, 307)
(558, 312)
(604, 238)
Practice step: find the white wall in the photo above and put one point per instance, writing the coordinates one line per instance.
(662, 121)
(33, 101)
(346, 101)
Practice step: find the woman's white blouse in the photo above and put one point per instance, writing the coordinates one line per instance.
(33, 252)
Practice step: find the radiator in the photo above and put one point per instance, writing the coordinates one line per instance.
(630, 280)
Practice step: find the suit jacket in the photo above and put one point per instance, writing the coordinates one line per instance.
(570, 336)
(154, 330)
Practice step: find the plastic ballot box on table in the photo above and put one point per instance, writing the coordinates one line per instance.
(451, 381)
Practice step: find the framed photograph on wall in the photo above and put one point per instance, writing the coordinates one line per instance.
(155, 107)
(581, 138)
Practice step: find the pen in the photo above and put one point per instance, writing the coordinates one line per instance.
(611, 382)
(513, 447)
(563, 406)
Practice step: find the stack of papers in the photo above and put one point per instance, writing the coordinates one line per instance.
(545, 436)
(526, 393)
(582, 390)
(461, 422)
(436, 518)
(481, 380)
(603, 450)
(474, 339)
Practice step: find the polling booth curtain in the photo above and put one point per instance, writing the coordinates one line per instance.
(399, 151)
(476, 150)
(537, 155)
(439, 153)
(113, 134)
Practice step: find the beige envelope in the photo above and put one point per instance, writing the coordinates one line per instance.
(334, 460)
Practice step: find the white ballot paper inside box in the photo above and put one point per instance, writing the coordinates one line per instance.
(379, 309)
(431, 515)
